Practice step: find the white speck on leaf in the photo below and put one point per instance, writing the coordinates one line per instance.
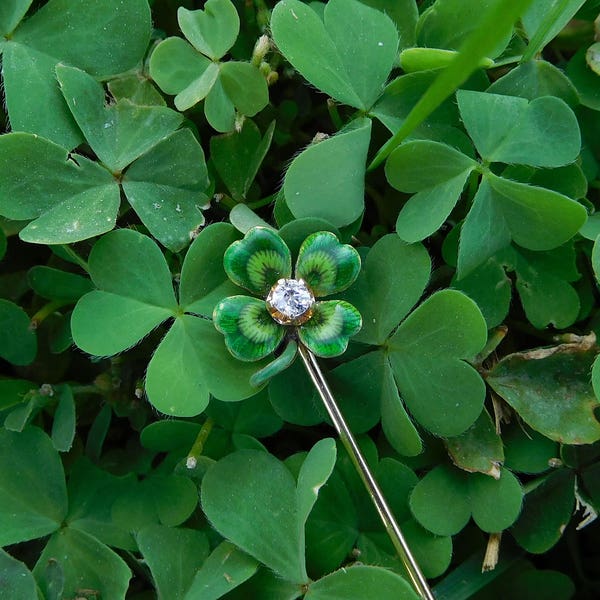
(380, 43)
(178, 208)
(156, 205)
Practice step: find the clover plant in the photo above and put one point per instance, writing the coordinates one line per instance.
(426, 173)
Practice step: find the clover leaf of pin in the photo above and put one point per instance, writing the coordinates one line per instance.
(285, 305)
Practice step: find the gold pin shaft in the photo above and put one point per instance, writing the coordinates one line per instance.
(393, 530)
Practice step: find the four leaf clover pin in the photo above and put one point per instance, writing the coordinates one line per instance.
(283, 305)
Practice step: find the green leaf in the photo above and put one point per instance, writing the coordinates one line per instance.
(490, 287)
(535, 218)
(494, 26)
(547, 510)
(585, 80)
(550, 389)
(173, 555)
(479, 449)
(245, 87)
(327, 181)
(314, 473)
(225, 568)
(423, 164)
(449, 23)
(118, 133)
(169, 434)
(227, 378)
(404, 13)
(169, 500)
(522, 582)
(293, 397)
(11, 13)
(167, 189)
(543, 20)
(92, 494)
(63, 425)
(196, 351)
(391, 281)
(374, 583)
(399, 430)
(175, 65)
(54, 284)
(440, 501)
(349, 55)
(86, 564)
(14, 391)
(203, 279)
(241, 493)
(136, 88)
(359, 386)
(111, 274)
(569, 180)
(134, 296)
(33, 496)
(237, 156)
(254, 416)
(439, 186)
(526, 450)
(71, 197)
(107, 38)
(200, 86)
(17, 581)
(511, 130)
(445, 499)
(429, 348)
(175, 498)
(213, 30)
(185, 394)
(332, 527)
(399, 97)
(219, 109)
(432, 552)
(543, 283)
(18, 343)
(536, 78)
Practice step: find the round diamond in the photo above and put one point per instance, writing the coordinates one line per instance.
(290, 302)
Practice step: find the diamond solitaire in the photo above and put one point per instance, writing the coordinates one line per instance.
(290, 302)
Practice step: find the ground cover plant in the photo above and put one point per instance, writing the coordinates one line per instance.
(452, 145)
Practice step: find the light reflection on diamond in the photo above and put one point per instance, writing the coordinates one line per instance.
(290, 302)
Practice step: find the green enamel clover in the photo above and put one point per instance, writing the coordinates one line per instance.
(262, 264)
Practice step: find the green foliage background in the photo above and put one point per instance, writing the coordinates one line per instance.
(454, 143)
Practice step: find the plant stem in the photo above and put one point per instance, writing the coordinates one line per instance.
(198, 446)
(44, 313)
(334, 114)
(393, 530)
(76, 258)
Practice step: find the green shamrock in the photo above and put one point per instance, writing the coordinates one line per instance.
(262, 264)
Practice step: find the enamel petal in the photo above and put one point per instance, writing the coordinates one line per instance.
(258, 261)
(326, 265)
(250, 332)
(333, 322)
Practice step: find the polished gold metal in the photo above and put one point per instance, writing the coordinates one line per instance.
(393, 530)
